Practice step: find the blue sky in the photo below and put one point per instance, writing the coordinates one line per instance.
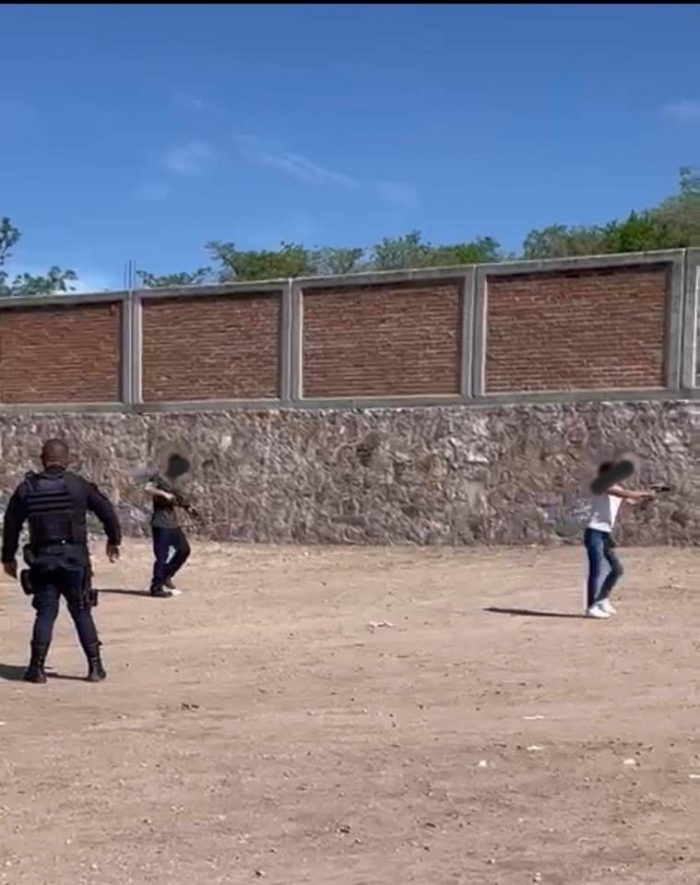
(142, 132)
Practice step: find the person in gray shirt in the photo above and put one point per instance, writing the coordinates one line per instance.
(165, 527)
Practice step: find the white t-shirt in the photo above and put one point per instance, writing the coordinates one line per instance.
(603, 512)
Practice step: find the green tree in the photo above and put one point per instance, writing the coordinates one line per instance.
(682, 212)
(484, 250)
(336, 260)
(185, 278)
(399, 253)
(56, 280)
(674, 224)
(290, 260)
(642, 232)
(410, 251)
(560, 241)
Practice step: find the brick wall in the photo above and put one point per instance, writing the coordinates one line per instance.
(585, 330)
(218, 347)
(382, 340)
(60, 354)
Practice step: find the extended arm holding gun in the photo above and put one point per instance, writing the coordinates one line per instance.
(175, 497)
(656, 488)
(183, 503)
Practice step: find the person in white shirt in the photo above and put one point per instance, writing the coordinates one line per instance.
(599, 545)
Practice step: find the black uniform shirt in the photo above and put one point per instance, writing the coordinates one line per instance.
(85, 496)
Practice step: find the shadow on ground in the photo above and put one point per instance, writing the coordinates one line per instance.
(15, 673)
(12, 672)
(530, 613)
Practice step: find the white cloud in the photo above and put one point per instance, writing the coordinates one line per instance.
(393, 192)
(185, 160)
(188, 102)
(305, 169)
(188, 159)
(682, 111)
(293, 165)
(309, 172)
(94, 281)
(153, 191)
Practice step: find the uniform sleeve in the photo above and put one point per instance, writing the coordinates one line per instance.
(99, 504)
(15, 515)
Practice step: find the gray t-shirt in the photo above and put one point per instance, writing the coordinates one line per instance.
(164, 512)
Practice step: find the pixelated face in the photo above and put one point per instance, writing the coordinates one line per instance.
(178, 465)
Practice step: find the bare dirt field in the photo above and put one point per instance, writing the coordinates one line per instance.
(257, 728)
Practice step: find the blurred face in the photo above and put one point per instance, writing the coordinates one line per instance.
(177, 466)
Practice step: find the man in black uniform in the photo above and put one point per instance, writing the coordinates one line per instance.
(54, 503)
(165, 526)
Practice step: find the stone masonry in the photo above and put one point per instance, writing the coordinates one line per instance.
(438, 475)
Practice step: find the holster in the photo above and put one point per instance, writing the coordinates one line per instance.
(25, 575)
(91, 593)
(25, 581)
(43, 559)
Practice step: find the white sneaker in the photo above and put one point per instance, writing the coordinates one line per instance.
(597, 611)
(607, 606)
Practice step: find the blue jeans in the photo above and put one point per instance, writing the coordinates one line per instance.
(163, 540)
(598, 549)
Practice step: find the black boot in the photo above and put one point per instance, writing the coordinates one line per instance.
(96, 672)
(35, 671)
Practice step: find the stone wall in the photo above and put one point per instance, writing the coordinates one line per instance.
(452, 475)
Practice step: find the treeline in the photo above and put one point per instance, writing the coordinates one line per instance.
(54, 280)
(294, 260)
(673, 224)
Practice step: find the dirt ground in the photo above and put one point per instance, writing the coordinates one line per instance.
(259, 728)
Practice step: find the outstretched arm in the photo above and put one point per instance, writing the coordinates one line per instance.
(153, 490)
(630, 495)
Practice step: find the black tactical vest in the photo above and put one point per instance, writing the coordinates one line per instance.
(50, 510)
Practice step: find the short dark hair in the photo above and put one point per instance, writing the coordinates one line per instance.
(55, 451)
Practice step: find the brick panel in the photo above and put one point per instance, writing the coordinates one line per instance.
(218, 347)
(382, 340)
(60, 354)
(584, 330)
